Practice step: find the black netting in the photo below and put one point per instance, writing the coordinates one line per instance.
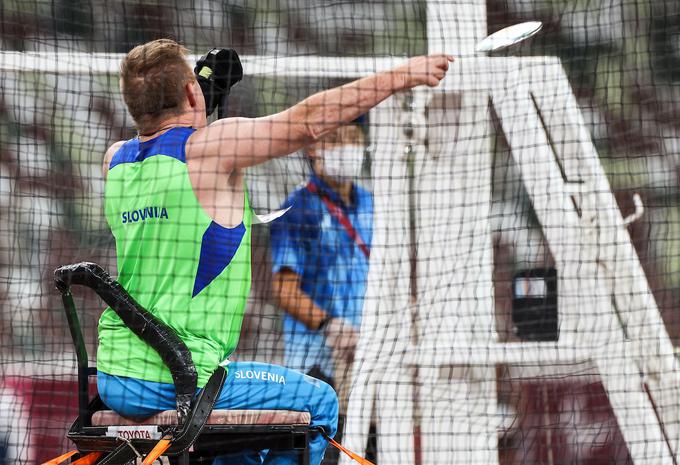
(516, 310)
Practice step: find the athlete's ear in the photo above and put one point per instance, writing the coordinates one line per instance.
(190, 92)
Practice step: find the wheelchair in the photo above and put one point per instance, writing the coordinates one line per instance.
(194, 433)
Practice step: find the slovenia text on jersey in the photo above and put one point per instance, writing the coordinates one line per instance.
(143, 214)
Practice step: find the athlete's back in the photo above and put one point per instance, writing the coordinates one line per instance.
(173, 259)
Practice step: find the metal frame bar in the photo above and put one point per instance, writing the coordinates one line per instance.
(81, 355)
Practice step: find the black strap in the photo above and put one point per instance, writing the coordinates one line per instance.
(121, 455)
(192, 414)
(184, 438)
(161, 337)
(203, 405)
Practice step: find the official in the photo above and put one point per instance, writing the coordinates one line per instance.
(320, 258)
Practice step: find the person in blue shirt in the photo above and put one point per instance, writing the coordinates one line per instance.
(320, 256)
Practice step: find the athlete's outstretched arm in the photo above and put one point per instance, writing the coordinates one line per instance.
(243, 142)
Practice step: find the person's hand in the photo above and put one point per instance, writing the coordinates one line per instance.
(342, 338)
(422, 70)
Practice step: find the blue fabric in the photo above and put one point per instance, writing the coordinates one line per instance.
(333, 269)
(218, 247)
(249, 385)
(171, 144)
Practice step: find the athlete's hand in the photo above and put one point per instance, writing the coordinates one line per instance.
(422, 70)
(342, 337)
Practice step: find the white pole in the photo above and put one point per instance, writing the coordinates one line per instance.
(456, 403)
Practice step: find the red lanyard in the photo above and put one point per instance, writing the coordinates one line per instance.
(337, 213)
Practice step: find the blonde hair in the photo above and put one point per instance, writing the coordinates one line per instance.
(152, 80)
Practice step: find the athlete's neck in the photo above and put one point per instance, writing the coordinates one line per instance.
(160, 130)
(187, 119)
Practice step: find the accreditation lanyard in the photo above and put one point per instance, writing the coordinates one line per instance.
(338, 213)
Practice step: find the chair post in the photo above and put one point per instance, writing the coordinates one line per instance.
(81, 355)
(305, 452)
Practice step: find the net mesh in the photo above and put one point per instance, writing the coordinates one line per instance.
(511, 313)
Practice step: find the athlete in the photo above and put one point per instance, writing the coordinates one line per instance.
(176, 204)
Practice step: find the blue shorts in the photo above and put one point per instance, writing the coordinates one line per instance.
(249, 385)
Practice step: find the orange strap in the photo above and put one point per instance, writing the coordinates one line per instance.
(160, 447)
(350, 454)
(88, 459)
(61, 458)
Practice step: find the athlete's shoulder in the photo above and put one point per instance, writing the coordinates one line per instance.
(202, 150)
(210, 141)
(108, 156)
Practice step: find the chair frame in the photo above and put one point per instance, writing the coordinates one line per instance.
(211, 440)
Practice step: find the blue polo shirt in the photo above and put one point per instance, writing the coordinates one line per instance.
(333, 269)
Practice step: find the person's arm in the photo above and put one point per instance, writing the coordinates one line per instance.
(109, 155)
(243, 142)
(288, 294)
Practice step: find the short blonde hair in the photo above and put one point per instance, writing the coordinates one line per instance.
(152, 80)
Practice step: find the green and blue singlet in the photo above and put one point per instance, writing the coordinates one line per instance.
(187, 270)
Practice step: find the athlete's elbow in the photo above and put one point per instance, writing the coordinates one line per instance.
(308, 125)
(297, 137)
(311, 133)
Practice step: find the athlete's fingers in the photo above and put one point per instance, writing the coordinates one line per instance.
(439, 75)
(428, 70)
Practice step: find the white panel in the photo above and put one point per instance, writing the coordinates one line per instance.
(109, 63)
(455, 288)
(453, 243)
(596, 260)
(606, 242)
(386, 325)
(622, 379)
(394, 414)
(458, 418)
(454, 250)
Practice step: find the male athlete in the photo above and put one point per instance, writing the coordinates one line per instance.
(176, 204)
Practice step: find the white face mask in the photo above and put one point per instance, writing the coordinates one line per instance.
(344, 162)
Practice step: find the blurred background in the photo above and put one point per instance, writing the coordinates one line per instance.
(623, 63)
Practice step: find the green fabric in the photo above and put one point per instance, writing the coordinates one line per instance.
(157, 263)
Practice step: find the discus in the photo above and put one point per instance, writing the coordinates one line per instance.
(508, 36)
